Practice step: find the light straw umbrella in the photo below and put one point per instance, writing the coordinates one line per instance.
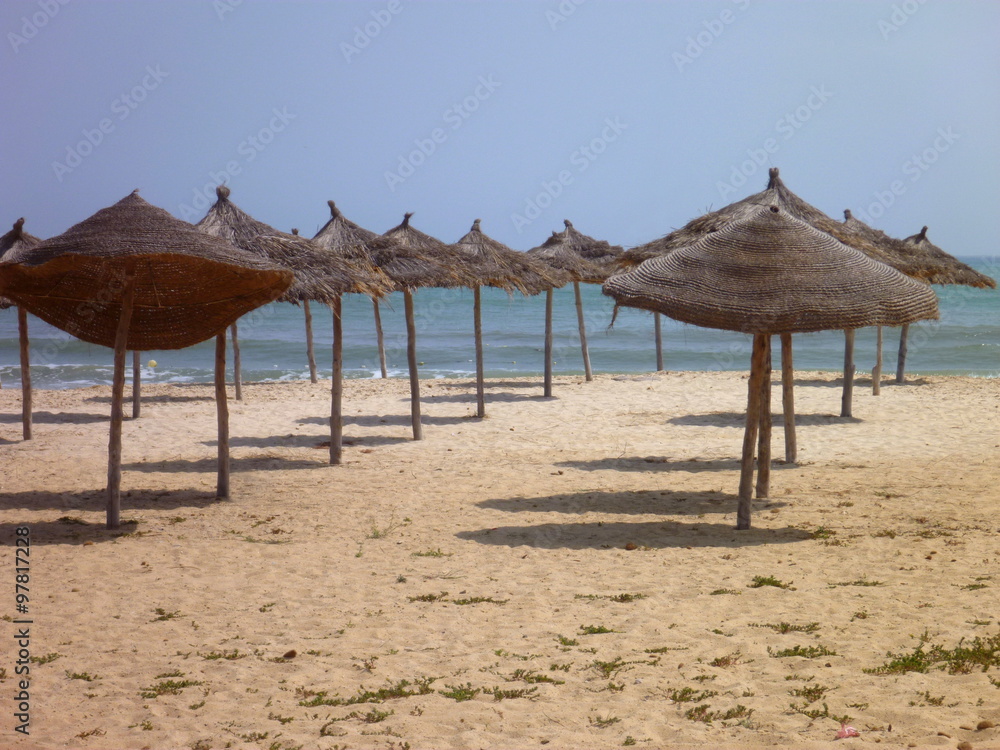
(134, 277)
(557, 253)
(771, 273)
(418, 260)
(319, 275)
(13, 243)
(494, 264)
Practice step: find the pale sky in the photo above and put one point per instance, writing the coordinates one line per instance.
(628, 118)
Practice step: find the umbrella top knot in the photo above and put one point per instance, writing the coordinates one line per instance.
(222, 192)
(334, 211)
(406, 219)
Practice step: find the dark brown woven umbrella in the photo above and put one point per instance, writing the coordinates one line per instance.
(17, 241)
(418, 260)
(494, 264)
(767, 274)
(559, 254)
(134, 277)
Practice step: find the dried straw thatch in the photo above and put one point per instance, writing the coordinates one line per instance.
(941, 268)
(319, 276)
(600, 252)
(189, 286)
(560, 254)
(764, 274)
(15, 241)
(344, 239)
(419, 260)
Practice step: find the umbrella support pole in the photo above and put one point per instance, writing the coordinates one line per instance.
(222, 416)
(788, 398)
(136, 384)
(379, 337)
(877, 369)
(22, 332)
(478, 326)
(337, 384)
(659, 342)
(411, 358)
(117, 396)
(847, 399)
(310, 351)
(764, 433)
(901, 361)
(237, 367)
(547, 392)
(758, 361)
(588, 373)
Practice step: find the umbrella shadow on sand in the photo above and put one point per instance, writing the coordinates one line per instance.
(248, 463)
(739, 419)
(388, 419)
(166, 398)
(307, 441)
(48, 417)
(657, 463)
(493, 396)
(858, 381)
(665, 502)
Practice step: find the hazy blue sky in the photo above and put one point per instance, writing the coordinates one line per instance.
(629, 118)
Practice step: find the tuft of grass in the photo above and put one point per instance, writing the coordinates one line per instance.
(564, 641)
(822, 533)
(162, 614)
(479, 600)
(531, 676)
(619, 598)
(890, 533)
(973, 586)
(71, 521)
(785, 627)
(433, 553)
(85, 676)
(726, 661)
(816, 713)
(863, 581)
(690, 695)
(594, 630)
(808, 652)
(761, 581)
(381, 532)
(704, 713)
(227, 655)
(167, 687)
(500, 694)
(603, 722)
(461, 693)
(266, 607)
(428, 597)
(964, 658)
(609, 669)
(47, 659)
(718, 592)
(402, 689)
(811, 693)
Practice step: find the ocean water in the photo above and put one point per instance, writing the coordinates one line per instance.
(965, 341)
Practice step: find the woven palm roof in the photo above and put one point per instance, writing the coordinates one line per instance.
(15, 240)
(419, 260)
(773, 273)
(776, 193)
(495, 264)
(943, 268)
(188, 285)
(600, 252)
(318, 275)
(558, 253)
(345, 239)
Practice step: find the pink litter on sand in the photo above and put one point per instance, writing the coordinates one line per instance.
(847, 731)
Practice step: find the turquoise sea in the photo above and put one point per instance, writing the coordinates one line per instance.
(965, 341)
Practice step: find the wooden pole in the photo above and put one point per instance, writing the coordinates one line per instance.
(848, 396)
(901, 361)
(136, 384)
(548, 344)
(758, 361)
(22, 332)
(117, 395)
(788, 398)
(477, 309)
(877, 369)
(310, 353)
(588, 374)
(381, 340)
(222, 414)
(411, 358)
(764, 434)
(237, 374)
(337, 385)
(659, 342)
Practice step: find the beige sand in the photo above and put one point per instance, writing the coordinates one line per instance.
(532, 521)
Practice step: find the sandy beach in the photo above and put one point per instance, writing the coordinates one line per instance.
(564, 573)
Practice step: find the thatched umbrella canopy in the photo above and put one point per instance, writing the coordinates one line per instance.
(134, 277)
(494, 264)
(771, 273)
(418, 260)
(558, 252)
(17, 241)
(357, 245)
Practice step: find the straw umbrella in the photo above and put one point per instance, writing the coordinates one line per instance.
(938, 268)
(134, 277)
(319, 275)
(496, 265)
(17, 241)
(356, 244)
(767, 274)
(310, 350)
(557, 253)
(418, 260)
